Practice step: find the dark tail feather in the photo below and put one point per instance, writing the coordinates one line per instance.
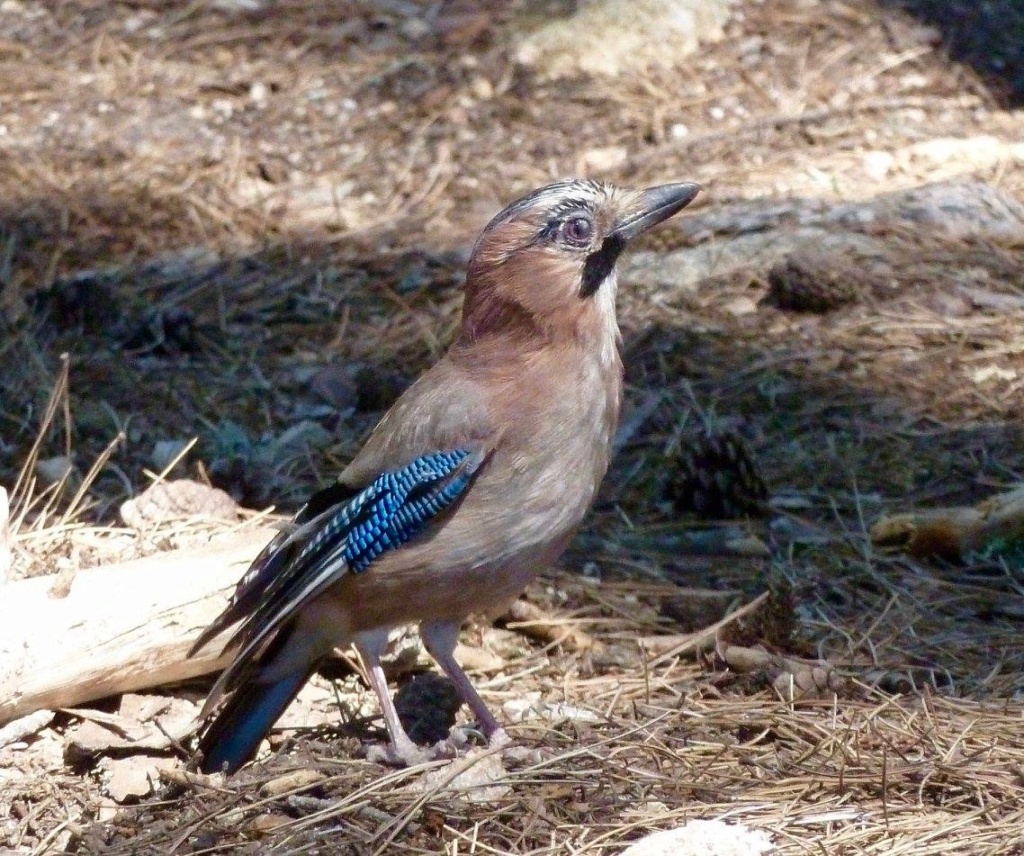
(235, 734)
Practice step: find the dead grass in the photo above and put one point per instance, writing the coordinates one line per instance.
(300, 186)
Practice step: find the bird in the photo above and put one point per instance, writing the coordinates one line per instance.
(472, 483)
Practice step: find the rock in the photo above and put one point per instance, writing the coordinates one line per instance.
(843, 253)
(133, 777)
(299, 780)
(143, 722)
(619, 37)
(605, 159)
(54, 470)
(531, 707)
(177, 499)
(478, 780)
(703, 838)
(960, 208)
(687, 269)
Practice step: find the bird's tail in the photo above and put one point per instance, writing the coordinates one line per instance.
(234, 735)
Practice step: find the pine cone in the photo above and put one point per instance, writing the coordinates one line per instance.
(717, 478)
(427, 706)
(812, 282)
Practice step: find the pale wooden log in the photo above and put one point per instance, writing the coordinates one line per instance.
(120, 628)
(5, 537)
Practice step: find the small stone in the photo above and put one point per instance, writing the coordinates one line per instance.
(619, 37)
(26, 726)
(166, 452)
(297, 781)
(741, 306)
(414, 29)
(133, 777)
(476, 781)
(264, 824)
(604, 159)
(54, 470)
(258, 93)
(177, 499)
(878, 164)
(481, 88)
(703, 838)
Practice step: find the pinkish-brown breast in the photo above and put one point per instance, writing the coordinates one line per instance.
(548, 415)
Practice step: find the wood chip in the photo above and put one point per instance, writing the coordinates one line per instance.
(296, 781)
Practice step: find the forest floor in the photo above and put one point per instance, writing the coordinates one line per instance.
(249, 225)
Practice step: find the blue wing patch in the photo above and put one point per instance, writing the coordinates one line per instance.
(393, 509)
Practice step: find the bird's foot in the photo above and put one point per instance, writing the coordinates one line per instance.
(404, 755)
(458, 742)
(408, 754)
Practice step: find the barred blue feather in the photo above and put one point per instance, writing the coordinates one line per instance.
(391, 510)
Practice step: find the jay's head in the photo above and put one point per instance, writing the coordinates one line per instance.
(548, 260)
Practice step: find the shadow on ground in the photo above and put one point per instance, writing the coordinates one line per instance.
(988, 36)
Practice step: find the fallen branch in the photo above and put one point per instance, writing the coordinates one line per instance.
(120, 628)
(5, 537)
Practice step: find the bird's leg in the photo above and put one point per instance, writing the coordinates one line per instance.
(440, 638)
(402, 750)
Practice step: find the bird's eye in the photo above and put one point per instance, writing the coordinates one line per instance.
(578, 231)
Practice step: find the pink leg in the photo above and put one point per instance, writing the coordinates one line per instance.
(402, 750)
(440, 638)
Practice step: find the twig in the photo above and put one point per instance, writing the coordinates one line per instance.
(530, 620)
(706, 637)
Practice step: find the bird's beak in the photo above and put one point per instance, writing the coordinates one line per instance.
(656, 204)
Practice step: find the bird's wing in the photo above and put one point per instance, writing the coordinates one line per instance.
(273, 558)
(331, 539)
(444, 410)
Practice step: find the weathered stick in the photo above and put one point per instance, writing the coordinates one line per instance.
(120, 628)
(5, 537)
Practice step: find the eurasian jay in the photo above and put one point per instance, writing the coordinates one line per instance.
(472, 483)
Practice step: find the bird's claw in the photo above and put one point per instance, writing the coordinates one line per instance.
(499, 739)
